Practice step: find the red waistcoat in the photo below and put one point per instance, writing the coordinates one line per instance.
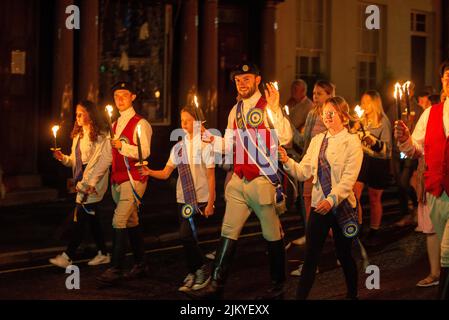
(248, 169)
(119, 172)
(436, 153)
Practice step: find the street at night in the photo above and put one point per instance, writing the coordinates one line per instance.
(248, 155)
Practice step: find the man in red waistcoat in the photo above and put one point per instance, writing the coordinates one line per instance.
(431, 139)
(127, 185)
(249, 190)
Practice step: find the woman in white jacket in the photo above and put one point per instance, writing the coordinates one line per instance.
(333, 160)
(88, 141)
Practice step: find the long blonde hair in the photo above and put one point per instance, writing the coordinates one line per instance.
(378, 114)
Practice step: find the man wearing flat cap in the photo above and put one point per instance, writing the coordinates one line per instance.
(127, 185)
(255, 184)
(430, 139)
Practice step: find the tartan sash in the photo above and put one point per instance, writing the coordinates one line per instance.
(346, 215)
(188, 187)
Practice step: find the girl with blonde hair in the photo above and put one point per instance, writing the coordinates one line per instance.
(377, 144)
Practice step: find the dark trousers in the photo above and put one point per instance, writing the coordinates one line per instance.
(78, 229)
(316, 232)
(300, 205)
(403, 170)
(192, 251)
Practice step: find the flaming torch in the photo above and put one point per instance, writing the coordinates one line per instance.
(406, 89)
(55, 133)
(360, 113)
(398, 98)
(109, 110)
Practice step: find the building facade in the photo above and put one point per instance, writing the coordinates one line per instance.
(329, 39)
(172, 50)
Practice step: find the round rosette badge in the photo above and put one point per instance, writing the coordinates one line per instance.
(255, 117)
(187, 211)
(350, 230)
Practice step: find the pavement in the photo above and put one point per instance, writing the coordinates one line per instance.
(401, 262)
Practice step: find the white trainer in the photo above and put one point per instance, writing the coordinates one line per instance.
(188, 283)
(61, 260)
(202, 278)
(100, 258)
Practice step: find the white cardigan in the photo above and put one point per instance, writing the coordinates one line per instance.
(345, 156)
(94, 155)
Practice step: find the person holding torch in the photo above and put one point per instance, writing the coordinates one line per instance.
(430, 139)
(89, 138)
(129, 146)
(254, 186)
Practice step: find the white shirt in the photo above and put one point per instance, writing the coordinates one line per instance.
(90, 154)
(281, 125)
(414, 147)
(127, 150)
(87, 149)
(145, 139)
(344, 154)
(201, 157)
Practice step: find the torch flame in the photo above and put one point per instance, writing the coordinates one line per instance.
(139, 132)
(109, 109)
(397, 90)
(276, 85)
(406, 87)
(359, 111)
(287, 110)
(157, 94)
(55, 130)
(195, 100)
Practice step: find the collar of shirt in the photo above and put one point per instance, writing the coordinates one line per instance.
(127, 114)
(193, 147)
(194, 139)
(86, 132)
(338, 135)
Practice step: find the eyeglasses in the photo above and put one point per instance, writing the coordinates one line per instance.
(329, 114)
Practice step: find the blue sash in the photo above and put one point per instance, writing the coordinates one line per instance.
(268, 168)
(188, 187)
(346, 215)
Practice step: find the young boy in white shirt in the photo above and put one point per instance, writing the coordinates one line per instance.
(195, 193)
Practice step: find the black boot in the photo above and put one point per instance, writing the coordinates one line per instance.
(276, 255)
(443, 290)
(115, 272)
(139, 270)
(223, 259)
